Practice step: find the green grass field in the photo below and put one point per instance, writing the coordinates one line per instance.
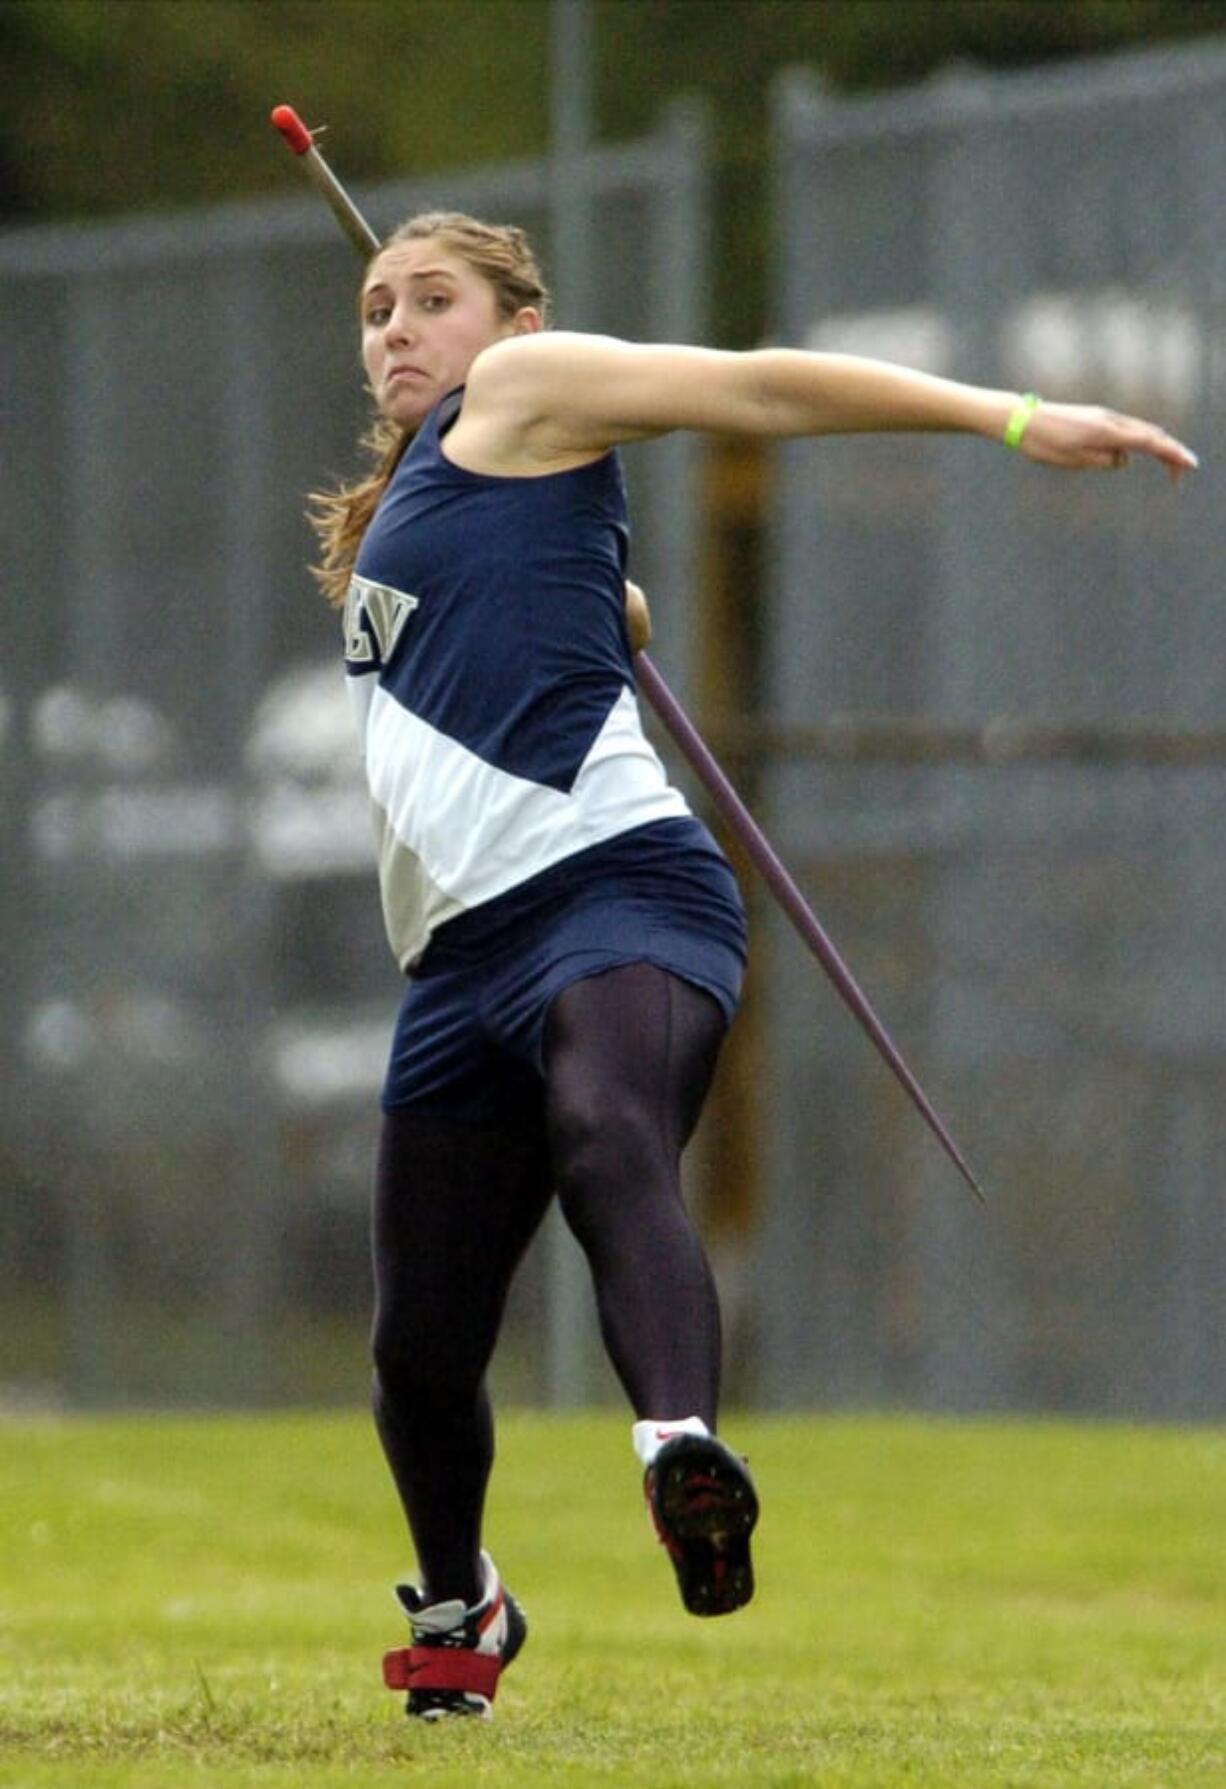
(205, 1602)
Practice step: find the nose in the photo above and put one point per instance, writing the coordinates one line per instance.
(399, 324)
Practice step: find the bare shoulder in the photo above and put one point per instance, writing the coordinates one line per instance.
(544, 349)
(564, 396)
(519, 396)
(531, 372)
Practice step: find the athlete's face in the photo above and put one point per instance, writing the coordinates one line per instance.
(426, 315)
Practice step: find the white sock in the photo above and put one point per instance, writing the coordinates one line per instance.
(650, 1436)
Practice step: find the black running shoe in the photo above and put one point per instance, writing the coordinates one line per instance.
(458, 1654)
(704, 1507)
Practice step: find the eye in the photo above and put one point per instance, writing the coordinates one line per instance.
(377, 315)
(435, 301)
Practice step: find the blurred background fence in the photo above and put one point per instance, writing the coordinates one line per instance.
(199, 999)
(981, 708)
(1031, 866)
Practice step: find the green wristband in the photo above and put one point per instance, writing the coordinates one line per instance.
(1016, 426)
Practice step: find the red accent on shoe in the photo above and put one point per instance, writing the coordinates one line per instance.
(441, 1668)
(494, 1610)
(453, 1668)
(396, 1668)
(671, 1545)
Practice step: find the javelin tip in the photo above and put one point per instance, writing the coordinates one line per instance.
(295, 132)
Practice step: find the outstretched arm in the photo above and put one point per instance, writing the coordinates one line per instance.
(568, 395)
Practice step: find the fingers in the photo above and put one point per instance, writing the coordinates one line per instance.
(1136, 436)
(1077, 436)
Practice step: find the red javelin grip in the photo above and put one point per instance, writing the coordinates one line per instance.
(292, 128)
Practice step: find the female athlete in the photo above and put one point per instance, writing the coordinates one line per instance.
(572, 937)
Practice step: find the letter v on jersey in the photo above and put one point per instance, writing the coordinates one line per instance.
(385, 609)
(682, 730)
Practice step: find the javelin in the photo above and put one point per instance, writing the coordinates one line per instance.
(684, 733)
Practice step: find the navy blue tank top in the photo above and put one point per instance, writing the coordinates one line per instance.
(487, 654)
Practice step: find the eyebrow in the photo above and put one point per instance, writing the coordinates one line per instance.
(420, 273)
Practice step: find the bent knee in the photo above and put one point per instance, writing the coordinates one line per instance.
(606, 1134)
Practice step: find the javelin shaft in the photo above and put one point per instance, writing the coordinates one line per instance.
(346, 213)
(686, 736)
(793, 903)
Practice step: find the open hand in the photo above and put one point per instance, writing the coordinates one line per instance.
(1084, 436)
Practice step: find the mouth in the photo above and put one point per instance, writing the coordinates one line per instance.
(396, 375)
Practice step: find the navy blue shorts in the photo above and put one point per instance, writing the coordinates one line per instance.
(469, 1034)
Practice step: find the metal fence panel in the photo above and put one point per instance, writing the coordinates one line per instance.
(1043, 934)
(198, 998)
(197, 995)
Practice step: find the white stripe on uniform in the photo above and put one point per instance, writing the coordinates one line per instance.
(476, 831)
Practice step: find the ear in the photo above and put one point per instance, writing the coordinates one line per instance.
(527, 321)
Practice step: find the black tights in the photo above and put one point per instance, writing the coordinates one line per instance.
(629, 1056)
